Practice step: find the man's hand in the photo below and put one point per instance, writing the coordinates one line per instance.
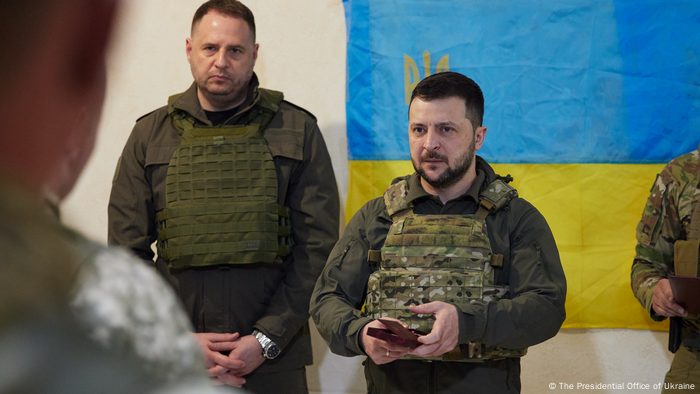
(216, 363)
(663, 302)
(246, 350)
(381, 352)
(445, 333)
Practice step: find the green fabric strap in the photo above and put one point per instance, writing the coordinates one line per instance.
(217, 228)
(222, 247)
(217, 209)
(685, 255)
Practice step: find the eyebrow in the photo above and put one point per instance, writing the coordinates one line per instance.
(439, 124)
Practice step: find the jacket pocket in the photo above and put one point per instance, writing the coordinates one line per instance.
(285, 142)
(159, 154)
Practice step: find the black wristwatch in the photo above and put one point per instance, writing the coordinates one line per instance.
(270, 349)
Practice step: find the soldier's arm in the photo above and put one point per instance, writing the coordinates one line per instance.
(657, 231)
(313, 200)
(131, 214)
(535, 311)
(340, 291)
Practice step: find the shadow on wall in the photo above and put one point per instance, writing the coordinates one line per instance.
(333, 374)
(592, 356)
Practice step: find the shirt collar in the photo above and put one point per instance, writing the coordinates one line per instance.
(189, 102)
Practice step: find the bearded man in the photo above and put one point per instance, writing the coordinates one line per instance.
(450, 251)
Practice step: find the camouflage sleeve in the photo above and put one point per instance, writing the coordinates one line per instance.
(657, 231)
(128, 309)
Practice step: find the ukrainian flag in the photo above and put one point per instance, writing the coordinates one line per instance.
(585, 103)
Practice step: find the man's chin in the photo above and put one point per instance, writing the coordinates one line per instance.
(431, 176)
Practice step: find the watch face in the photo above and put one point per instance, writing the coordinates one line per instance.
(273, 351)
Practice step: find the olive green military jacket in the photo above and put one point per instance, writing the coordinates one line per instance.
(273, 298)
(666, 219)
(519, 232)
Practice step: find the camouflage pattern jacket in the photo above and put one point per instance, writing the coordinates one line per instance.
(519, 232)
(666, 218)
(124, 307)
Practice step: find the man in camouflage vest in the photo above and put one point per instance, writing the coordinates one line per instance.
(667, 244)
(237, 187)
(451, 251)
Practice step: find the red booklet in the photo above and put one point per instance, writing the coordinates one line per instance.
(397, 334)
(686, 292)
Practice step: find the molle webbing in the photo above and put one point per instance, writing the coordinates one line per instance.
(494, 197)
(221, 195)
(445, 258)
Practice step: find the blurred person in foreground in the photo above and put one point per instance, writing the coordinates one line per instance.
(668, 240)
(451, 251)
(75, 317)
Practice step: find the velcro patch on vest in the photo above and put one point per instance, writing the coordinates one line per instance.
(395, 198)
(251, 245)
(499, 193)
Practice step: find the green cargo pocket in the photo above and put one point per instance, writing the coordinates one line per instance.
(685, 257)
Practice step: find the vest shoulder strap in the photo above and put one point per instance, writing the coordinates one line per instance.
(270, 99)
(263, 110)
(494, 197)
(181, 120)
(395, 199)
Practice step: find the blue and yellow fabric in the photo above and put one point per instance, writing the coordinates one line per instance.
(585, 103)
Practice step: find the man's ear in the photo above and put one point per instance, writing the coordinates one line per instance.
(188, 49)
(93, 26)
(479, 137)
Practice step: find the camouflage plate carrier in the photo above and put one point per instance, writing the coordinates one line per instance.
(438, 258)
(221, 193)
(686, 253)
(686, 262)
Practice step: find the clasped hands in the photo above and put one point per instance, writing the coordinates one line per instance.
(245, 355)
(442, 338)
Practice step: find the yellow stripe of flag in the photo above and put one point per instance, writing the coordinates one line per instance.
(593, 210)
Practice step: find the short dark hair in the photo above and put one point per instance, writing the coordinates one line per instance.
(451, 84)
(232, 8)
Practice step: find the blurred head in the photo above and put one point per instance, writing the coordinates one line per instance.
(52, 84)
(222, 53)
(445, 129)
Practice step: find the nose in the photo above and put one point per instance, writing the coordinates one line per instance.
(431, 141)
(220, 61)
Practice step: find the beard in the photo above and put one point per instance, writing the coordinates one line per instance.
(451, 175)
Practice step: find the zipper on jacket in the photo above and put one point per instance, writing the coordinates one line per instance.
(538, 250)
(541, 260)
(345, 251)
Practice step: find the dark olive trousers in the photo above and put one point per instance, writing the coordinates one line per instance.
(438, 377)
(685, 371)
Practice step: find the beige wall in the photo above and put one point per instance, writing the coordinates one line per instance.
(302, 53)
